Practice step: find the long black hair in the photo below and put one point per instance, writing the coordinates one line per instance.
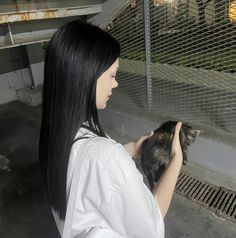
(76, 57)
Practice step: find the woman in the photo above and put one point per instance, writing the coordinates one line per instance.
(112, 201)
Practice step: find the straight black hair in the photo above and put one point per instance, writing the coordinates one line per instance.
(76, 57)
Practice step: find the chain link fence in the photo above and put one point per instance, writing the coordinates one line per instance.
(179, 60)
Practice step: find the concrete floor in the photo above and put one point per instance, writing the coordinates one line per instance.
(24, 211)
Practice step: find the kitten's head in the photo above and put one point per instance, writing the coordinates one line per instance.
(187, 135)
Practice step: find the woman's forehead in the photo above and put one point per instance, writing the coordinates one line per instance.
(116, 64)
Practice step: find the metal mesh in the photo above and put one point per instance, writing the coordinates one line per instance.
(128, 29)
(193, 60)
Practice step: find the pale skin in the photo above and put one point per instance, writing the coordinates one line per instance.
(164, 189)
(105, 83)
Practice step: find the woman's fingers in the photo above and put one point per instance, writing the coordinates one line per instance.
(145, 137)
(177, 129)
(148, 135)
(176, 148)
(139, 143)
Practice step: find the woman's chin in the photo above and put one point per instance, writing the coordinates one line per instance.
(102, 106)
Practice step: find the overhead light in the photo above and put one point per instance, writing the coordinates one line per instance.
(232, 11)
(158, 3)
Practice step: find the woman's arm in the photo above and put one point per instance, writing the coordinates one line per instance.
(164, 189)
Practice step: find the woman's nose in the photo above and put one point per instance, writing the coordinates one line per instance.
(115, 84)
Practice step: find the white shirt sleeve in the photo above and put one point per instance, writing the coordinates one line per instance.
(132, 210)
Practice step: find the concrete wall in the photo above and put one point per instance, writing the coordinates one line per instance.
(20, 67)
(14, 72)
(36, 64)
(13, 59)
(37, 70)
(10, 82)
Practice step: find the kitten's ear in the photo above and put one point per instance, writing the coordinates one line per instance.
(197, 132)
(193, 133)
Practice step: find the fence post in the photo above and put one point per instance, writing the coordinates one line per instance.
(148, 53)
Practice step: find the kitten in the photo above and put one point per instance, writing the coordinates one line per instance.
(156, 151)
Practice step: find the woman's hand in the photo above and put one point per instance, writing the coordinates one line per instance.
(176, 150)
(135, 148)
(164, 189)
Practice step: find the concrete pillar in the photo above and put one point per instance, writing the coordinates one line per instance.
(36, 63)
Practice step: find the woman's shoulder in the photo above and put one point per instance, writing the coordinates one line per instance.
(102, 147)
(110, 155)
(95, 143)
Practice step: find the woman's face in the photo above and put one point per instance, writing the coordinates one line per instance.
(105, 83)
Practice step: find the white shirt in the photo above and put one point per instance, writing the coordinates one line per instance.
(112, 199)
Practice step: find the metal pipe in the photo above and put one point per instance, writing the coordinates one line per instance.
(148, 53)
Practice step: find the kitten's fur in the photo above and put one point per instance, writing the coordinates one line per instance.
(156, 151)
